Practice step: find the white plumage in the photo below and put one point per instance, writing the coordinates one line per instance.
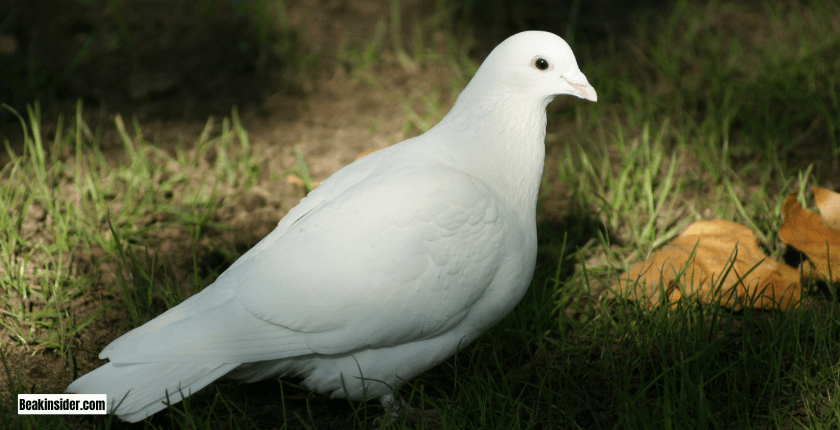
(386, 268)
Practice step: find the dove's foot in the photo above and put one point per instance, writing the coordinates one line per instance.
(396, 406)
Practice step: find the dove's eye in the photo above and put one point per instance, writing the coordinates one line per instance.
(541, 63)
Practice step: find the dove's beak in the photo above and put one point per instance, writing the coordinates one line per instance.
(580, 86)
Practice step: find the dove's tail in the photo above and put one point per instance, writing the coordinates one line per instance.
(138, 390)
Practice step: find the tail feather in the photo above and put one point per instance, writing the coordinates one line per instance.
(138, 390)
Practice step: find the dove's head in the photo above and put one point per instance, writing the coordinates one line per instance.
(496, 128)
(534, 63)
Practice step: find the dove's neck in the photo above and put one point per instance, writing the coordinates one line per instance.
(500, 141)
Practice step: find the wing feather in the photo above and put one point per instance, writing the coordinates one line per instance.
(380, 265)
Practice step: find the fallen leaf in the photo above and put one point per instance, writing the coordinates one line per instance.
(295, 180)
(367, 152)
(816, 235)
(714, 262)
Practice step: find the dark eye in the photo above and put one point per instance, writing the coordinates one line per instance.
(541, 63)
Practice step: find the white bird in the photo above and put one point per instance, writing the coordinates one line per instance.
(381, 272)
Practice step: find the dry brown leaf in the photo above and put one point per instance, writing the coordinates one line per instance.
(367, 152)
(295, 180)
(710, 276)
(828, 202)
(816, 235)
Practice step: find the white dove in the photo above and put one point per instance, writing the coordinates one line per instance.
(384, 270)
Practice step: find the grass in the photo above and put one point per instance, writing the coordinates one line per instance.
(711, 111)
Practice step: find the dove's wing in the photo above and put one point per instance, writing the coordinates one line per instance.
(384, 263)
(216, 294)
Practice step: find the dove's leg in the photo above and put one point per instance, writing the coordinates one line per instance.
(395, 405)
